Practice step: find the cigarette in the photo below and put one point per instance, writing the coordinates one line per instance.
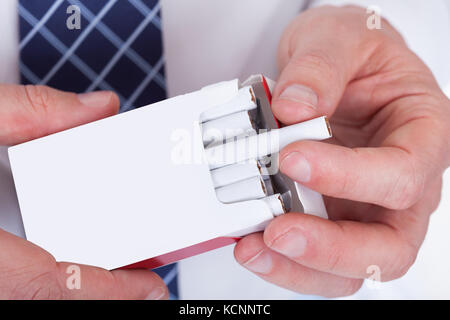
(276, 204)
(233, 125)
(249, 189)
(270, 142)
(244, 101)
(234, 173)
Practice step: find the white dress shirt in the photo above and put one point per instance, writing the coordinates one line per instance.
(209, 41)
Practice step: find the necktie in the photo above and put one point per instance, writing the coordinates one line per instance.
(115, 45)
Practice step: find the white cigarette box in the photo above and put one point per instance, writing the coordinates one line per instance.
(135, 190)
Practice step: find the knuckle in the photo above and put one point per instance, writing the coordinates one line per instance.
(319, 64)
(348, 184)
(43, 286)
(409, 194)
(407, 189)
(334, 258)
(38, 97)
(35, 281)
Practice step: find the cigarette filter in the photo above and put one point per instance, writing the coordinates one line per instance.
(266, 143)
(233, 125)
(276, 204)
(244, 101)
(234, 173)
(249, 189)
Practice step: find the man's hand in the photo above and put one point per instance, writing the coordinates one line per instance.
(27, 271)
(382, 171)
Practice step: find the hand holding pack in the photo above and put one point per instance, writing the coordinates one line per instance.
(162, 182)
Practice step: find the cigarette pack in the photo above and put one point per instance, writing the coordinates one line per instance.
(146, 188)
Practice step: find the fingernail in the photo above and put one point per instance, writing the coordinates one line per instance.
(157, 294)
(301, 94)
(291, 244)
(296, 167)
(95, 99)
(260, 263)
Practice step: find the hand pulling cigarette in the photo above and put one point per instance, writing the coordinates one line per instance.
(244, 101)
(249, 189)
(267, 143)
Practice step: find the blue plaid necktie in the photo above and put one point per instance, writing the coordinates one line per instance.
(118, 47)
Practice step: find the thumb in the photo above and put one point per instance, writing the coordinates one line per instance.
(83, 282)
(387, 176)
(29, 272)
(30, 112)
(319, 54)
